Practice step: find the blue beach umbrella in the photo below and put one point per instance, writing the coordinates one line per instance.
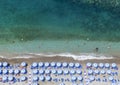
(11, 71)
(47, 64)
(41, 71)
(71, 65)
(16, 71)
(5, 64)
(42, 78)
(10, 78)
(35, 78)
(23, 64)
(4, 78)
(77, 65)
(53, 64)
(58, 64)
(40, 64)
(23, 78)
(35, 71)
(5, 71)
(101, 65)
(23, 71)
(66, 72)
(34, 64)
(65, 64)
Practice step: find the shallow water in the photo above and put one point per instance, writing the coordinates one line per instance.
(57, 20)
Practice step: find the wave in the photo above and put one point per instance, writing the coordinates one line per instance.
(82, 56)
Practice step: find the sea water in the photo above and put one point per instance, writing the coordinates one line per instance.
(58, 26)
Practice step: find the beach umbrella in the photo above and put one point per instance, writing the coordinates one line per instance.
(0, 71)
(35, 71)
(59, 64)
(59, 72)
(35, 78)
(48, 78)
(114, 65)
(65, 64)
(92, 78)
(23, 71)
(107, 65)
(109, 72)
(34, 64)
(71, 65)
(23, 78)
(72, 72)
(23, 64)
(95, 65)
(1, 64)
(89, 64)
(5, 71)
(35, 84)
(96, 71)
(101, 65)
(90, 72)
(77, 65)
(11, 71)
(42, 78)
(47, 71)
(66, 72)
(5, 64)
(110, 78)
(73, 78)
(80, 78)
(46, 64)
(53, 64)
(78, 71)
(62, 84)
(41, 71)
(10, 78)
(40, 64)
(53, 71)
(102, 72)
(16, 71)
(4, 78)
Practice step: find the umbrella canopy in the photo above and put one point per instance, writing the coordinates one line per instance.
(66, 72)
(107, 65)
(5, 71)
(89, 64)
(23, 71)
(53, 71)
(92, 78)
(80, 78)
(23, 64)
(42, 78)
(65, 64)
(48, 78)
(95, 65)
(90, 72)
(59, 72)
(16, 71)
(73, 78)
(96, 71)
(23, 78)
(34, 64)
(10, 78)
(114, 65)
(35, 78)
(62, 84)
(47, 64)
(77, 65)
(110, 78)
(35, 71)
(11, 71)
(35, 84)
(5, 64)
(1, 64)
(47, 71)
(53, 64)
(72, 72)
(78, 71)
(102, 72)
(40, 64)
(59, 64)
(71, 65)
(101, 65)
(41, 71)
(4, 78)
(109, 72)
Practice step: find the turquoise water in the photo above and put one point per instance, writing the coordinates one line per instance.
(55, 20)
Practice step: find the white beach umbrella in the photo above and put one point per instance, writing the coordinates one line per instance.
(96, 71)
(73, 78)
(89, 64)
(110, 78)
(23, 78)
(11, 71)
(46, 64)
(23, 71)
(109, 72)
(35, 71)
(10, 78)
(53, 71)
(95, 65)
(72, 72)
(42, 78)
(71, 65)
(102, 72)
(59, 64)
(5, 64)
(40, 64)
(23, 64)
(65, 64)
(48, 78)
(35, 78)
(101, 65)
(41, 71)
(59, 72)
(4, 78)
(66, 72)
(5, 71)
(80, 78)
(107, 65)
(79, 72)
(16, 71)
(53, 64)
(47, 71)
(77, 65)
(114, 65)
(92, 78)
(34, 64)
(90, 72)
